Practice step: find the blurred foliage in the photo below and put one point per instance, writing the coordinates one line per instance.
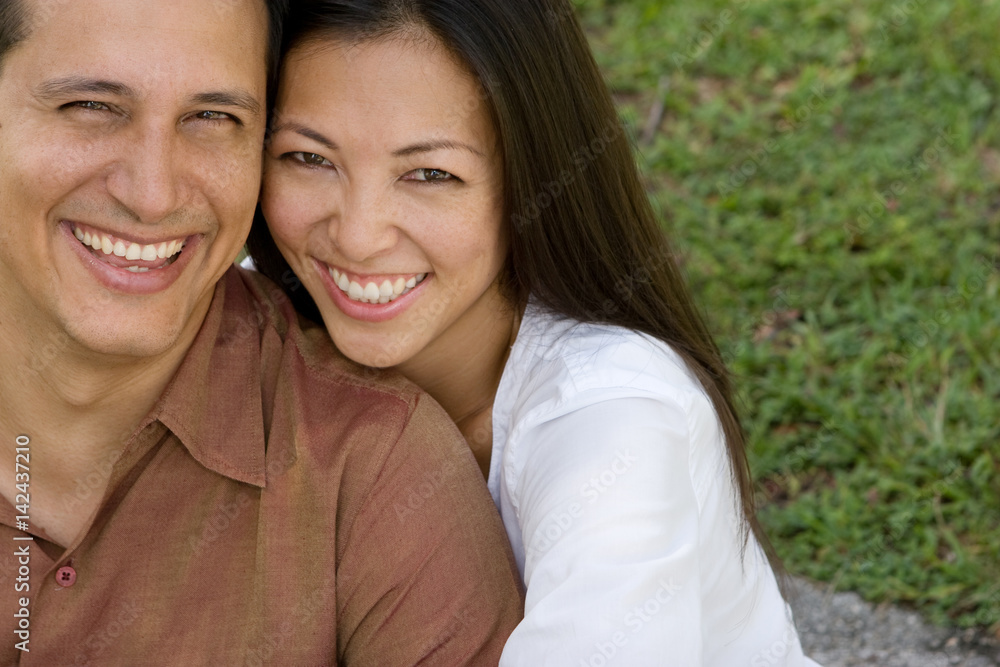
(830, 171)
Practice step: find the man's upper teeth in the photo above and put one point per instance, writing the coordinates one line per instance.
(374, 292)
(133, 251)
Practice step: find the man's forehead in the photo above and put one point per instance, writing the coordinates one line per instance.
(150, 42)
(40, 12)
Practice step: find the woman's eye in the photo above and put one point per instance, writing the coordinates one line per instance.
(430, 175)
(309, 159)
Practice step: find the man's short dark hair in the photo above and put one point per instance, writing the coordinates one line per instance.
(15, 24)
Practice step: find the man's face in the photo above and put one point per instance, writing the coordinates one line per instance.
(130, 148)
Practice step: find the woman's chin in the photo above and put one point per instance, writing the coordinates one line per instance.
(363, 351)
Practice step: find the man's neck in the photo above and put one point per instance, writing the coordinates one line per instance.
(77, 407)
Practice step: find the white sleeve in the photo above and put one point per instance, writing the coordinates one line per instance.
(610, 523)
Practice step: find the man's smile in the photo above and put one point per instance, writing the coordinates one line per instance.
(118, 263)
(131, 255)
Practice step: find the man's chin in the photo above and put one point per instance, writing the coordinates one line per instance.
(131, 338)
(124, 346)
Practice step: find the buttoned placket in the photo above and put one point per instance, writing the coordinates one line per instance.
(62, 573)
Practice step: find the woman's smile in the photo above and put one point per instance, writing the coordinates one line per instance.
(380, 289)
(370, 298)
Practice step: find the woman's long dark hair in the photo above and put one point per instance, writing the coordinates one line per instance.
(584, 238)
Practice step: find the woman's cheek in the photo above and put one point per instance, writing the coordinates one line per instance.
(289, 209)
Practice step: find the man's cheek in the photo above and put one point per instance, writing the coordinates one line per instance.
(56, 163)
(235, 178)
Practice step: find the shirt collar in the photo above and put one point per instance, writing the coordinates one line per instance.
(213, 403)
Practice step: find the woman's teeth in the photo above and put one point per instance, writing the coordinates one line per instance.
(130, 251)
(373, 292)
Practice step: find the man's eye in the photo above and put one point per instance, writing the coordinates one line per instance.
(213, 116)
(89, 105)
(309, 159)
(430, 175)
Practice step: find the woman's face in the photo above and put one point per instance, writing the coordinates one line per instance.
(383, 190)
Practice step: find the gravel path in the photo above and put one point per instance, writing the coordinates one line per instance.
(842, 630)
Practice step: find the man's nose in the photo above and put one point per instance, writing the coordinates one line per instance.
(148, 177)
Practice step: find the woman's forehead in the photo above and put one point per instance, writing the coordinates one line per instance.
(390, 87)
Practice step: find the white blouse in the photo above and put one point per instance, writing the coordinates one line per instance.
(611, 476)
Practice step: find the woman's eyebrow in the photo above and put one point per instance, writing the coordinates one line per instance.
(306, 132)
(412, 149)
(435, 145)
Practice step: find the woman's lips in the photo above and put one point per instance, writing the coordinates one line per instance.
(364, 300)
(382, 289)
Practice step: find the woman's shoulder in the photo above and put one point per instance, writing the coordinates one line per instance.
(593, 384)
(556, 362)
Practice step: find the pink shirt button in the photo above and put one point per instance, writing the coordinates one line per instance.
(66, 576)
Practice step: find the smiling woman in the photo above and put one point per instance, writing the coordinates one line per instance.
(389, 209)
(451, 184)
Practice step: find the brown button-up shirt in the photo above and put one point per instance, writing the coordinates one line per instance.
(279, 506)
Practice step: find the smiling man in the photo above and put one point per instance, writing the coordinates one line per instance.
(188, 475)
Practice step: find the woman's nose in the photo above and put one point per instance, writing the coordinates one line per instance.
(365, 226)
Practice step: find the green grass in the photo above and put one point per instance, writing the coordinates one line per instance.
(851, 269)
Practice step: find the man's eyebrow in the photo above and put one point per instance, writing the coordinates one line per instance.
(229, 98)
(306, 132)
(435, 145)
(81, 85)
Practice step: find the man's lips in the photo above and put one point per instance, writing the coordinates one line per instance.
(134, 255)
(136, 277)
